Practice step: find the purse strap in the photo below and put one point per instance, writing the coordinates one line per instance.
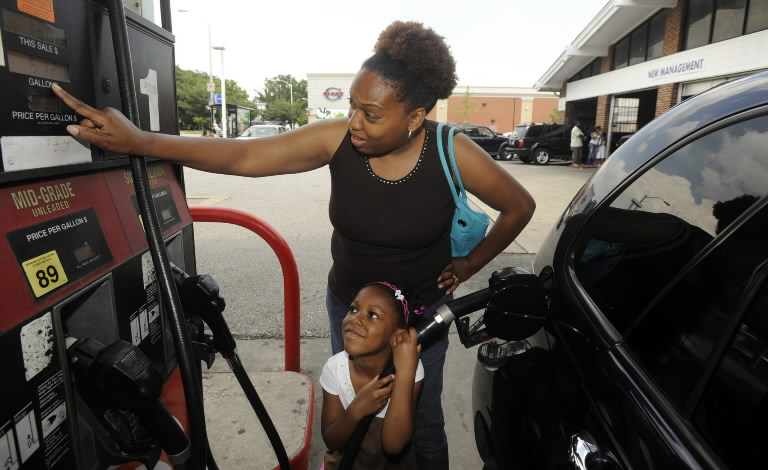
(453, 161)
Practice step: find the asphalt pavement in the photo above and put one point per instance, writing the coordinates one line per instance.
(296, 206)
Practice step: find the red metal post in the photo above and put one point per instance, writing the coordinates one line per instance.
(284, 254)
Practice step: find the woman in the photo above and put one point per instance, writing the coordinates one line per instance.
(390, 203)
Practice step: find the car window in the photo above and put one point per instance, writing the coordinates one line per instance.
(484, 132)
(734, 408)
(534, 131)
(260, 131)
(553, 131)
(678, 335)
(635, 247)
(519, 132)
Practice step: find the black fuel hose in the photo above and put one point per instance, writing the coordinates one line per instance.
(238, 370)
(184, 353)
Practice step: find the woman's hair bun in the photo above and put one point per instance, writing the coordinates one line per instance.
(424, 54)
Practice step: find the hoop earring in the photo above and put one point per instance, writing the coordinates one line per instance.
(409, 134)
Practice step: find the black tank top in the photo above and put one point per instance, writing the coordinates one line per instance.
(396, 231)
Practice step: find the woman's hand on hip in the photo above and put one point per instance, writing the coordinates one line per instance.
(457, 271)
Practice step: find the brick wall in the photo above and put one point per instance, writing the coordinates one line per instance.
(673, 30)
(673, 43)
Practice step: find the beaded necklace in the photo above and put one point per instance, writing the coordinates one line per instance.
(406, 177)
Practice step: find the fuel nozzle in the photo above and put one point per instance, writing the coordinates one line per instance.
(200, 297)
(121, 377)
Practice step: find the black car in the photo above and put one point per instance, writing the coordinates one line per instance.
(640, 340)
(541, 143)
(492, 142)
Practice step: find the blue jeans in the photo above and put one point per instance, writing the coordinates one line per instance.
(591, 154)
(429, 439)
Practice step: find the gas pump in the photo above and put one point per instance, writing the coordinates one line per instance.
(92, 345)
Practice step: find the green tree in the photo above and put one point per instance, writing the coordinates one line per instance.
(192, 97)
(467, 106)
(236, 94)
(554, 115)
(276, 99)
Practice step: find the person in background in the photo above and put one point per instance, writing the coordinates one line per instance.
(216, 129)
(576, 145)
(594, 141)
(601, 149)
(376, 331)
(390, 206)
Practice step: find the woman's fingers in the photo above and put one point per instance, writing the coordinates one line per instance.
(78, 106)
(88, 123)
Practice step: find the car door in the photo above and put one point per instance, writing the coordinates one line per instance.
(561, 136)
(666, 280)
(484, 137)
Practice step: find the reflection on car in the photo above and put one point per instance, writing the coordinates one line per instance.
(651, 349)
(262, 130)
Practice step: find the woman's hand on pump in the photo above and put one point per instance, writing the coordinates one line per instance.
(107, 128)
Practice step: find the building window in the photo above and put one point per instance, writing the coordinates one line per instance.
(621, 54)
(717, 20)
(757, 17)
(625, 113)
(590, 70)
(637, 44)
(646, 42)
(656, 27)
(699, 23)
(729, 19)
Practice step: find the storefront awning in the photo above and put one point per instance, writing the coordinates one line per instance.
(614, 21)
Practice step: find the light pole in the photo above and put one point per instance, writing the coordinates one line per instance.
(211, 84)
(224, 116)
(290, 86)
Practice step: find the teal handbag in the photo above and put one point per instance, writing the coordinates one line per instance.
(468, 226)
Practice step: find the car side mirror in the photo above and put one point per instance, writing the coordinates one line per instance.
(516, 310)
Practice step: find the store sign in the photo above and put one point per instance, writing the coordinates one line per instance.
(333, 94)
(676, 69)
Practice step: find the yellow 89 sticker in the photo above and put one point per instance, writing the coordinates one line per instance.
(45, 273)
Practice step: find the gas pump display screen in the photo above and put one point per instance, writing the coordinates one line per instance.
(32, 28)
(37, 67)
(59, 251)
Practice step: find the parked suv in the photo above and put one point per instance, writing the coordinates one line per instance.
(540, 143)
(492, 142)
(640, 340)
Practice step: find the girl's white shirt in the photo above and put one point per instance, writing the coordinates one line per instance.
(335, 379)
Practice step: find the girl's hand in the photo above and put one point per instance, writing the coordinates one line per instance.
(108, 128)
(405, 350)
(372, 397)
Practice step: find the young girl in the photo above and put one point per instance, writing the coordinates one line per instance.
(600, 153)
(375, 332)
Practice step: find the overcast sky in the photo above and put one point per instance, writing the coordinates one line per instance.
(494, 42)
